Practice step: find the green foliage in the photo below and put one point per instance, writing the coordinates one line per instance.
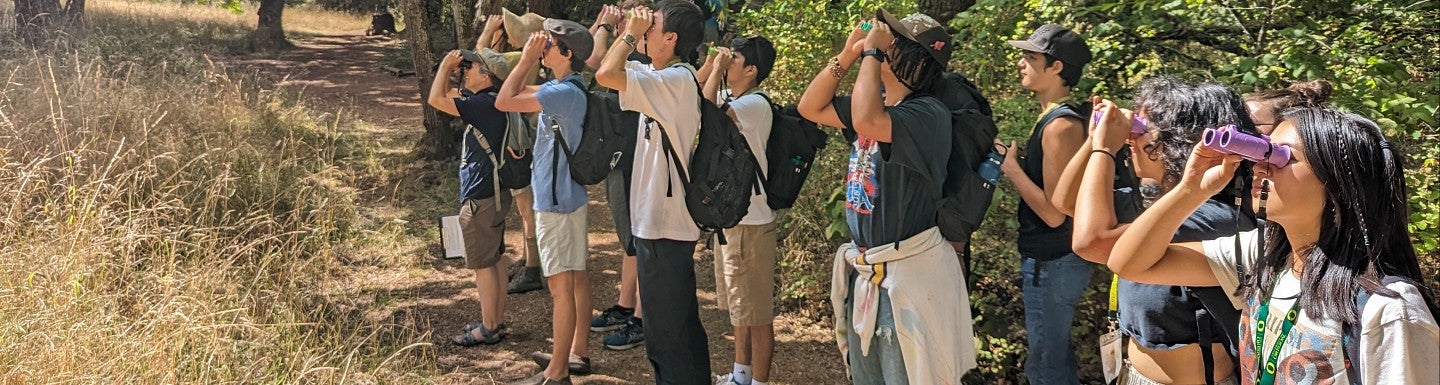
(1381, 55)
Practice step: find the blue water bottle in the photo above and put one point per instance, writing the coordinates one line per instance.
(990, 169)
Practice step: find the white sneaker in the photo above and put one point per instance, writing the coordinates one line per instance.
(727, 379)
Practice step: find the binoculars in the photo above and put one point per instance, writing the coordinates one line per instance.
(1137, 125)
(1227, 139)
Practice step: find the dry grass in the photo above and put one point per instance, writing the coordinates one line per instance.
(163, 220)
(297, 19)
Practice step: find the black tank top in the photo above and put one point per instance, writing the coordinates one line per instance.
(1038, 240)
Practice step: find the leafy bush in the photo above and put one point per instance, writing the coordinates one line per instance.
(1377, 52)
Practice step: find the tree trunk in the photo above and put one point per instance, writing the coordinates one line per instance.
(464, 16)
(269, 32)
(943, 10)
(546, 8)
(440, 137)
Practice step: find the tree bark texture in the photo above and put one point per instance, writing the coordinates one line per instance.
(440, 139)
(466, 32)
(943, 10)
(269, 32)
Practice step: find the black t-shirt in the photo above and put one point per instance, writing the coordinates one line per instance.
(891, 189)
(476, 169)
(1165, 317)
(1036, 238)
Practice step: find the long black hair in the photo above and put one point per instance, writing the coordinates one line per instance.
(913, 64)
(1363, 232)
(1181, 111)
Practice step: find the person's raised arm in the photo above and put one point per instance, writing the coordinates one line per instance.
(1144, 252)
(490, 35)
(1064, 193)
(516, 95)
(609, 16)
(815, 104)
(867, 104)
(611, 73)
(442, 94)
(1096, 226)
(703, 75)
(713, 74)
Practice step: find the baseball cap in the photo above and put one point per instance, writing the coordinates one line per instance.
(1057, 41)
(921, 29)
(519, 28)
(575, 36)
(489, 61)
(758, 51)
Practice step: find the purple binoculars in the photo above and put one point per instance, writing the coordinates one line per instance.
(1137, 126)
(1229, 140)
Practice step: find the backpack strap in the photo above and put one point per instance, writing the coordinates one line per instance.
(494, 156)
(561, 146)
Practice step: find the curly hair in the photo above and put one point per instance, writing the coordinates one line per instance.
(1181, 111)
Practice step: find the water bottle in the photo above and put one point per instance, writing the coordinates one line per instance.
(990, 169)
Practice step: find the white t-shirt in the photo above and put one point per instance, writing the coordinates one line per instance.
(1399, 339)
(755, 115)
(669, 96)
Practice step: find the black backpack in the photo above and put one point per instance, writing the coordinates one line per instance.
(789, 153)
(723, 171)
(965, 197)
(512, 172)
(607, 134)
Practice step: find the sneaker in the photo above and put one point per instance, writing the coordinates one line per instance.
(527, 281)
(630, 336)
(611, 319)
(727, 379)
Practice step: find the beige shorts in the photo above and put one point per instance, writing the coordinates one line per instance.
(745, 274)
(482, 225)
(564, 245)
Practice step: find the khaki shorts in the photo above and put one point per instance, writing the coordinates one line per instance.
(745, 274)
(564, 245)
(482, 225)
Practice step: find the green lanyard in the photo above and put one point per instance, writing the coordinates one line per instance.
(1265, 375)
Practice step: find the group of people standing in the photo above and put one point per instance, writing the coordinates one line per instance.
(1216, 257)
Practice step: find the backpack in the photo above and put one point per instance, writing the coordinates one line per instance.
(789, 153)
(608, 133)
(723, 171)
(511, 172)
(965, 197)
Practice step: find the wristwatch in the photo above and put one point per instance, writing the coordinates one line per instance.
(608, 28)
(628, 39)
(876, 52)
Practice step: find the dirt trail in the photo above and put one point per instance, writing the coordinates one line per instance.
(436, 297)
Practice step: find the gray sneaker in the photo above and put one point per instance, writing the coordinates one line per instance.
(628, 337)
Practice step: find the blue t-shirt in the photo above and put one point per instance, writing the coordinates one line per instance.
(476, 168)
(562, 104)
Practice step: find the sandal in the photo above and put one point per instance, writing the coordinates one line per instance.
(473, 325)
(487, 337)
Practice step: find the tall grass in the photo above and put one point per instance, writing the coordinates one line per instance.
(163, 220)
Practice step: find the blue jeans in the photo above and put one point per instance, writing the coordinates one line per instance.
(885, 365)
(1051, 290)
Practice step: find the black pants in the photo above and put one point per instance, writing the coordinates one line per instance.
(675, 341)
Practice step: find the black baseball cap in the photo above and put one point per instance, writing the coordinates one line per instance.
(922, 29)
(1059, 42)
